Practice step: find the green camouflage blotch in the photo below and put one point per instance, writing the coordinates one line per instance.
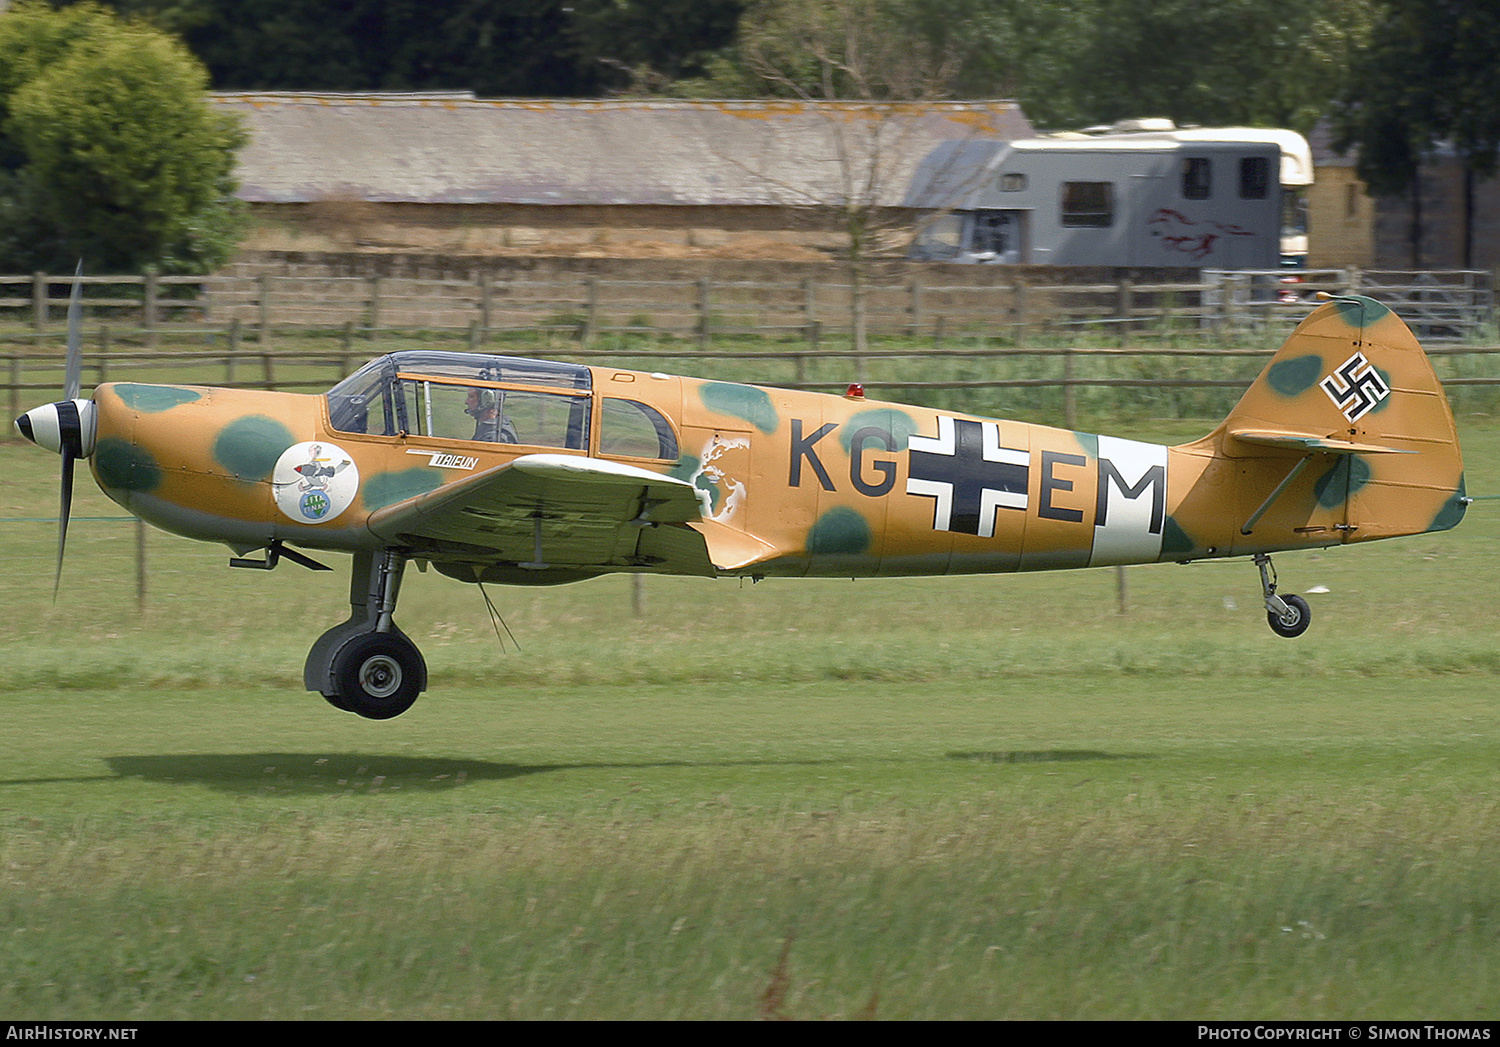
(385, 489)
(1452, 511)
(154, 398)
(742, 401)
(1359, 311)
(125, 467)
(1349, 474)
(1174, 539)
(839, 531)
(1295, 377)
(249, 447)
(898, 423)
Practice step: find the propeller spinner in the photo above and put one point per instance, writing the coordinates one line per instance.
(68, 426)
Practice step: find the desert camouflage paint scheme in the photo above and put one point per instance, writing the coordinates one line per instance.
(1346, 436)
(797, 483)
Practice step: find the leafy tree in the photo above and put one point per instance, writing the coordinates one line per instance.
(115, 155)
(495, 48)
(830, 51)
(1429, 78)
(640, 46)
(1075, 63)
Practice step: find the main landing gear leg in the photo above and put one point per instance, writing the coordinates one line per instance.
(1288, 615)
(367, 665)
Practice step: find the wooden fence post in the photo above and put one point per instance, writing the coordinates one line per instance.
(39, 302)
(15, 385)
(263, 309)
(235, 334)
(374, 309)
(486, 302)
(149, 316)
(1070, 390)
(140, 564)
(591, 314)
(705, 320)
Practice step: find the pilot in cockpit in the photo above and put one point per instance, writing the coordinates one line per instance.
(486, 407)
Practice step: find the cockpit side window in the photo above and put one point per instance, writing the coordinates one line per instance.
(628, 429)
(466, 396)
(455, 411)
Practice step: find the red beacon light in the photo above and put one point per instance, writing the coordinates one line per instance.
(856, 391)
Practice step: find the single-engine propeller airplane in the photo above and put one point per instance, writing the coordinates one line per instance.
(497, 469)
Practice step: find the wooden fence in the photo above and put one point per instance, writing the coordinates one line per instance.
(1045, 378)
(1444, 307)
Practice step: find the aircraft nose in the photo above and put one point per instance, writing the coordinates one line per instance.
(67, 426)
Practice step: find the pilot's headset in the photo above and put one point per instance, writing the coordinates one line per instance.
(485, 400)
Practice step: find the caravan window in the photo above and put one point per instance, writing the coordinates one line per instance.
(1197, 177)
(1255, 178)
(1089, 205)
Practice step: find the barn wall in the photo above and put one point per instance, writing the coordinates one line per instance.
(336, 224)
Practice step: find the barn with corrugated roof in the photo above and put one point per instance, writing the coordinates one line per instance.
(454, 173)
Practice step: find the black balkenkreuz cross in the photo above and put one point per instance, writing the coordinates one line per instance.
(968, 473)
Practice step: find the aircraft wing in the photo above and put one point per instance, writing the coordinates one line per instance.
(555, 511)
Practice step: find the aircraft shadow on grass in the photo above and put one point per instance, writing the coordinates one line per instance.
(312, 774)
(1044, 756)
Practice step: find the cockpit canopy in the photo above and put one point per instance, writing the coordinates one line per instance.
(493, 399)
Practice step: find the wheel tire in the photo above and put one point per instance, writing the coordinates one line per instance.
(1295, 621)
(378, 675)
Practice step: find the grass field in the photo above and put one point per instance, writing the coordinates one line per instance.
(949, 798)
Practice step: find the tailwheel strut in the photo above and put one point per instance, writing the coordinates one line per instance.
(1287, 615)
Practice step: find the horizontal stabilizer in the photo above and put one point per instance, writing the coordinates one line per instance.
(1308, 442)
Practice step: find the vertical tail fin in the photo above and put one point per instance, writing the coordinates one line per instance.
(1345, 436)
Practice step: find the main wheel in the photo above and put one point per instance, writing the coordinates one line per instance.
(378, 675)
(1296, 619)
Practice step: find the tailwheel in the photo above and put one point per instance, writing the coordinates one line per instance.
(378, 675)
(1288, 615)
